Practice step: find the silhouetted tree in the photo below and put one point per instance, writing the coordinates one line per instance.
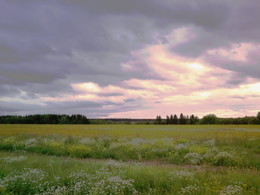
(175, 119)
(64, 119)
(167, 120)
(45, 119)
(209, 119)
(187, 119)
(258, 116)
(171, 119)
(182, 119)
(193, 119)
(158, 119)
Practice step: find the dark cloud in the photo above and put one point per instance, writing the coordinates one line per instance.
(6, 91)
(243, 24)
(47, 45)
(208, 14)
(201, 42)
(241, 69)
(88, 108)
(17, 107)
(236, 22)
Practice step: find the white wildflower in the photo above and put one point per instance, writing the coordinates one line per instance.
(30, 142)
(193, 158)
(85, 140)
(211, 142)
(190, 189)
(231, 190)
(11, 159)
(180, 147)
(113, 185)
(181, 175)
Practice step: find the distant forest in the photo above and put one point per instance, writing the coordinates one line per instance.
(45, 119)
(208, 119)
(169, 120)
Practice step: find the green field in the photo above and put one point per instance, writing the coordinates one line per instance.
(129, 159)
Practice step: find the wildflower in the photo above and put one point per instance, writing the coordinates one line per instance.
(113, 185)
(24, 180)
(29, 142)
(181, 175)
(211, 142)
(193, 158)
(181, 147)
(85, 140)
(223, 158)
(190, 189)
(11, 159)
(231, 189)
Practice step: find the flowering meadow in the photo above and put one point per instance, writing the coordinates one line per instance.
(129, 159)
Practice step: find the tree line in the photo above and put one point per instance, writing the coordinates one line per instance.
(208, 119)
(172, 119)
(45, 119)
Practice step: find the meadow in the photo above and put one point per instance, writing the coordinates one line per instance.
(129, 159)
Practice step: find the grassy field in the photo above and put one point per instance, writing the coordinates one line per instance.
(129, 159)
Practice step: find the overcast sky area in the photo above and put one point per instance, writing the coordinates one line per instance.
(130, 58)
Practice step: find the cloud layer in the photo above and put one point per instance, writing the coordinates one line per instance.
(133, 59)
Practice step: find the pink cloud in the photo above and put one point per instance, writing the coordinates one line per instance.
(188, 85)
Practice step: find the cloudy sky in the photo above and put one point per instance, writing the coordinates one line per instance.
(130, 58)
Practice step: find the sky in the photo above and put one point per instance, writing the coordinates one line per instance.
(130, 58)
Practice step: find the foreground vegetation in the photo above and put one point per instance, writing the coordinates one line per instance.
(63, 159)
(23, 173)
(50, 175)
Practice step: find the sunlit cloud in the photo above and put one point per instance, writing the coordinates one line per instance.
(87, 87)
(189, 85)
(170, 57)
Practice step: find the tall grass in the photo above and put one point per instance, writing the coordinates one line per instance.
(67, 176)
(150, 159)
(177, 151)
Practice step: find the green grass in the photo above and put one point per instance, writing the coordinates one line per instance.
(240, 153)
(150, 159)
(156, 178)
(223, 132)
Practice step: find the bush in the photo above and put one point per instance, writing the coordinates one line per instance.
(209, 119)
